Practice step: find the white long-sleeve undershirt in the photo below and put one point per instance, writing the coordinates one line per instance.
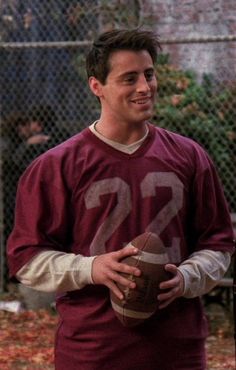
(53, 271)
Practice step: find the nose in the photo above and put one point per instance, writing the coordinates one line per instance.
(142, 84)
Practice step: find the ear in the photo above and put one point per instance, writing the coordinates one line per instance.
(95, 86)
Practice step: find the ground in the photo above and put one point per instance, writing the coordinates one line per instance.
(27, 338)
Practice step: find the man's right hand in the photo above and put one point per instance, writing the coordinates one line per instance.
(107, 267)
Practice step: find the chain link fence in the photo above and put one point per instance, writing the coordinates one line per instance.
(45, 97)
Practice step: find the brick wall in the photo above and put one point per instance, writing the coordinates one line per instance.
(195, 18)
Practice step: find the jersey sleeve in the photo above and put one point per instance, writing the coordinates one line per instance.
(212, 227)
(42, 214)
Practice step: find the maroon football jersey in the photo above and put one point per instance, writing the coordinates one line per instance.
(88, 198)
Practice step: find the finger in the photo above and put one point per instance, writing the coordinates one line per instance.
(121, 280)
(169, 284)
(125, 282)
(117, 279)
(166, 299)
(165, 303)
(115, 290)
(164, 296)
(167, 295)
(173, 281)
(171, 268)
(126, 269)
(125, 252)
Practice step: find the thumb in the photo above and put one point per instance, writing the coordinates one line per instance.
(171, 268)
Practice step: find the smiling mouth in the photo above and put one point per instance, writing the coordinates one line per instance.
(142, 101)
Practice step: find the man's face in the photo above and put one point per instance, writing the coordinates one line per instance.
(35, 127)
(24, 131)
(129, 92)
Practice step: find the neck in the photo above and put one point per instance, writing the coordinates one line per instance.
(122, 133)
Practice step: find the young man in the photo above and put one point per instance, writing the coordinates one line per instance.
(79, 204)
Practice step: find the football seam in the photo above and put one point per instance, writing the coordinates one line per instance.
(137, 260)
(144, 245)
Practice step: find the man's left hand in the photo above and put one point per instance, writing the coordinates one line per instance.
(173, 288)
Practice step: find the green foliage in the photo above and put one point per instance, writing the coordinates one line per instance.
(205, 112)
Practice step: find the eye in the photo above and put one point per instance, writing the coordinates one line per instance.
(129, 79)
(149, 75)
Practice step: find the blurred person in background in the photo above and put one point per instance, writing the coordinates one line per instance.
(25, 135)
(36, 134)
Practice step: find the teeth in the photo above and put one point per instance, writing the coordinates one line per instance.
(141, 101)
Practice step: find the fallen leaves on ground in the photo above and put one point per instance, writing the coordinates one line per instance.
(27, 341)
(220, 353)
(220, 343)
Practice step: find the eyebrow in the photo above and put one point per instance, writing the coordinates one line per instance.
(128, 73)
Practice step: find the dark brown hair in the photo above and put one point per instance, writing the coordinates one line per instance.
(97, 61)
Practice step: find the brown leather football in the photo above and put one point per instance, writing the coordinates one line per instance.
(141, 303)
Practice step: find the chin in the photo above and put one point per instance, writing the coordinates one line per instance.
(147, 116)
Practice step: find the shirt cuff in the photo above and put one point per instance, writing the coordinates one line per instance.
(85, 264)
